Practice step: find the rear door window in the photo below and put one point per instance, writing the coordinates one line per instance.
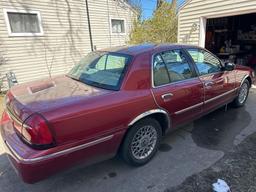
(171, 66)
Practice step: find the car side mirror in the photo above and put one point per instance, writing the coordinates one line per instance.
(229, 66)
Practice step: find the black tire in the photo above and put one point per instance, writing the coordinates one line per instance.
(238, 102)
(128, 153)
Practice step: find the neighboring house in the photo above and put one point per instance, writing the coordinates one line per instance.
(227, 28)
(40, 38)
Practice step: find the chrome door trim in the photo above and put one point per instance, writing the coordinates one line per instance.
(13, 153)
(211, 74)
(219, 96)
(150, 112)
(202, 103)
(189, 108)
(174, 83)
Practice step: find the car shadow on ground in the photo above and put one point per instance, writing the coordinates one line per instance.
(66, 180)
(218, 130)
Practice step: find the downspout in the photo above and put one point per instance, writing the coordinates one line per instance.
(89, 24)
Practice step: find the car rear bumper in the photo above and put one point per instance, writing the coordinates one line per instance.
(34, 165)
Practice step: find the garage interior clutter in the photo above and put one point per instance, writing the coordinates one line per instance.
(233, 39)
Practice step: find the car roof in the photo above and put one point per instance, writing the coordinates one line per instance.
(142, 48)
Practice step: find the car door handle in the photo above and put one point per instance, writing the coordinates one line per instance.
(220, 81)
(167, 96)
(208, 84)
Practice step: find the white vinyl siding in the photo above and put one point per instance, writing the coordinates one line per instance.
(101, 13)
(192, 14)
(65, 36)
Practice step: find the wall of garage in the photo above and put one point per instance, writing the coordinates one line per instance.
(193, 14)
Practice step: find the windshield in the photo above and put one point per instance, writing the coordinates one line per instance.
(101, 69)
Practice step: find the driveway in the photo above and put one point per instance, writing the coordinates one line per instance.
(186, 152)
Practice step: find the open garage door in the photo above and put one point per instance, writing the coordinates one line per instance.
(232, 38)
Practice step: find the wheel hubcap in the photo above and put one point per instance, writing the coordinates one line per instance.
(243, 93)
(144, 142)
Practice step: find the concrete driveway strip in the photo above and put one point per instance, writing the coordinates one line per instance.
(187, 151)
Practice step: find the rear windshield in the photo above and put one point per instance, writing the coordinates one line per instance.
(101, 69)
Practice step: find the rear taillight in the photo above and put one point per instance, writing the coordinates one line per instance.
(5, 118)
(36, 131)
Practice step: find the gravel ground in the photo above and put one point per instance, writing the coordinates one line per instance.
(237, 168)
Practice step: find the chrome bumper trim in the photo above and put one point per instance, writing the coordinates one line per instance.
(14, 154)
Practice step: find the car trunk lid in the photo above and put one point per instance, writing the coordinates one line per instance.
(45, 95)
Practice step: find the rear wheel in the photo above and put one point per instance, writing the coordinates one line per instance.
(141, 142)
(243, 94)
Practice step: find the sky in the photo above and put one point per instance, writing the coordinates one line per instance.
(148, 7)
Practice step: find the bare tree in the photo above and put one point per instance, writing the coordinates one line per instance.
(159, 3)
(48, 64)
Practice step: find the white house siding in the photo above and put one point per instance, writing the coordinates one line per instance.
(193, 10)
(65, 38)
(101, 13)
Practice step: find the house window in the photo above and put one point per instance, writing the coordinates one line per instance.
(118, 26)
(23, 23)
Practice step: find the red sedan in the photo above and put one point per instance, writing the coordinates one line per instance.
(120, 100)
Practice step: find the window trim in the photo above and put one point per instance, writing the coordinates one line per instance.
(191, 65)
(8, 25)
(111, 29)
(194, 63)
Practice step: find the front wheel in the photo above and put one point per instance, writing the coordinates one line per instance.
(141, 142)
(243, 94)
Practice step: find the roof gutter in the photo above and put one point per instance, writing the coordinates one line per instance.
(183, 5)
(89, 24)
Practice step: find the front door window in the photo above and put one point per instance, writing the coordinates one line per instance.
(206, 62)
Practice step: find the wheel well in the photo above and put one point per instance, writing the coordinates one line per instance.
(250, 80)
(161, 116)
(162, 120)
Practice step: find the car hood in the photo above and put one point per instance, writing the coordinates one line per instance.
(243, 68)
(48, 94)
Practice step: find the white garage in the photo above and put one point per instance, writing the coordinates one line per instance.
(225, 27)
